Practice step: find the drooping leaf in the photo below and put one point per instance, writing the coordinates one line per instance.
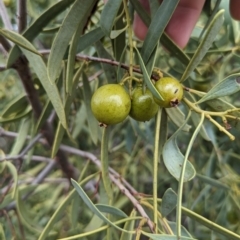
(177, 117)
(53, 94)
(115, 33)
(21, 138)
(119, 42)
(14, 173)
(108, 15)
(18, 116)
(111, 210)
(147, 79)
(227, 86)
(155, 30)
(173, 160)
(203, 131)
(18, 104)
(89, 39)
(80, 118)
(44, 115)
(92, 122)
(129, 225)
(205, 44)
(109, 70)
(36, 27)
(2, 234)
(184, 232)
(24, 215)
(78, 13)
(67, 106)
(71, 57)
(92, 207)
(169, 202)
(19, 40)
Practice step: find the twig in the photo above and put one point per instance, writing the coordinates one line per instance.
(24, 151)
(105, 60)
(113, 178)
(22, 15)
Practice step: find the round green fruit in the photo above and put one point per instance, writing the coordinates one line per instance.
(110, 104)
(143, 106)
(171, 90)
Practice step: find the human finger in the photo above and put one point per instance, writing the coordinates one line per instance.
(234, 7)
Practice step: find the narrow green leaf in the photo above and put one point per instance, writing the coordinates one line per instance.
(173, 160)
(169, 202)
(20, 115)
(108, 15)
(211, 225)
(80, 118)
(115, 33)
(119, 43)
(89, 39)
(184, 232)
(2, 234)
(203, 132)
(61, 208)
(71, 56)
(19, 40)
(165, 237)
(77, 14)
(21, 138)
(109, 70)
(24, 215)
(205, 44)
(129, 225)
(112, 210)
(39, 67)
(147, 79)
(227, 86)
(18, 104)
(31, 32)
(67, 106)
(92, 122)
(154, 5)
(177, 117)
(14, 173)
(92, 207)
(165, 40)
(44, 115)
(155, 29)
(57, 139)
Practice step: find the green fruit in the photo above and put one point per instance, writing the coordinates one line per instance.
(171, 90)
(143, 106)
(110, 104)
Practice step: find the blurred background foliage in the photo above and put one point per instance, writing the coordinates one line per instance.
(214, 193)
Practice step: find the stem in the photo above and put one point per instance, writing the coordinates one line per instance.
(155, 169)
(105, 173)
(22, 15)
(128, 20)
(104, 164)
(209, 114)
(181, 180)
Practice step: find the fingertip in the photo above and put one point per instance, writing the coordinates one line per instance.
(234, 7)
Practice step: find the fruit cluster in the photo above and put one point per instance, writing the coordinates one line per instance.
(111, 104)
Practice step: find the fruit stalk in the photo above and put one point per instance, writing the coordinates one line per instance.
(155, 168)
